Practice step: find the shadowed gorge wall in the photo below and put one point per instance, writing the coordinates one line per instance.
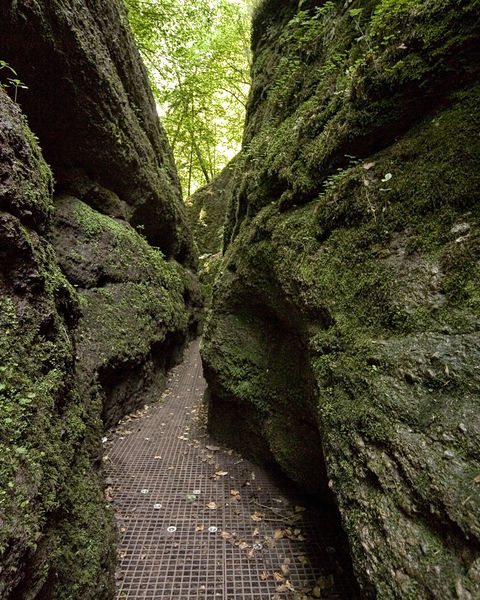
(97, 294)
(56, 538)
(90, 104)
(346, 312)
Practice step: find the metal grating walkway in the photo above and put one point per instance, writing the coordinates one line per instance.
(197, 521)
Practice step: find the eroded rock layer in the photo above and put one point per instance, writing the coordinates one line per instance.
(345, 321)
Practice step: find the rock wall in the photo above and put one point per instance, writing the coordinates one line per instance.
(90, 104)
(56, 535)
(345, 319)
(206, 211)
(97, 293)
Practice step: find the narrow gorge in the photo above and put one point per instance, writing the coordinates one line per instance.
(338, 292)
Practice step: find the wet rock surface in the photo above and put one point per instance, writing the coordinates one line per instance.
(136, 309)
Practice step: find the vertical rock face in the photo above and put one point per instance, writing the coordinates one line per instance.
(56, 535)
(90, 104)
(97, 299)
(206, 211)
(345, 320)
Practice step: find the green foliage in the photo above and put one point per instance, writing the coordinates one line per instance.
(11, 81)
(197, 54)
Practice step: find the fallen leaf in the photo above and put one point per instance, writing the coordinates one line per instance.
(199, 528)
(243, 545)
(289, 586)
(368, 166)
(477, 479)
(212, 505)
(278, 576)
(169, 468)
(213, 448)
(157, 457)
(257, 516)
(221, 473)
(255, 532)
(278, 534)
(264, 576)
(234, 492)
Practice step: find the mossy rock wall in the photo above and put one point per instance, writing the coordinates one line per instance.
(89, 102)
(346, 312)
(56, 534)
(207, 210)
(97, 295)
(137, 310)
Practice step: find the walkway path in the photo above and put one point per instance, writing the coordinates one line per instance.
(197, 521)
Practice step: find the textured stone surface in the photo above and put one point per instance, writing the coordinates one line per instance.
(92, 312)
(56, 535)
(206, 211)
(90, 104)
(137, 310)
(346, 315)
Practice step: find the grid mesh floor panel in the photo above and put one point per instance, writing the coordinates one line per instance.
(184, 508)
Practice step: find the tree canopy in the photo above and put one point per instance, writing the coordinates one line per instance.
(198, 54)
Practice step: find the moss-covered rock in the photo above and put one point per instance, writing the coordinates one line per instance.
(49, 437)
(89, 102)
(206, 211)
(137, 309)
(347, 306)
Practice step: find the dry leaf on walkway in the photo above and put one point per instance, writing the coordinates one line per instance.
(285, 570)
(234, 492)
(212, 505)
(278, 576)
(199, 528)
(257, 516)
(242, 545)
(157, 457)
(278, 534)
(256, 532)
(213, 448)
(221, 473)
(264, 576)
